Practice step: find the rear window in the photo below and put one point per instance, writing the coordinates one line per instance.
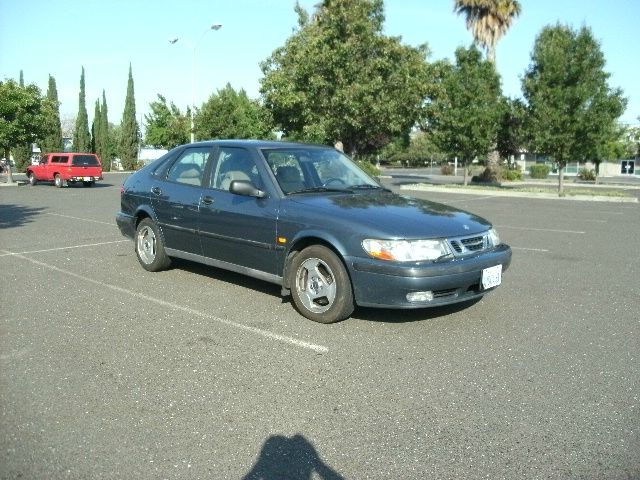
(85, 160)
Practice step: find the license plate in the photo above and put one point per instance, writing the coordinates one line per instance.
(491, 277)
(87, 179)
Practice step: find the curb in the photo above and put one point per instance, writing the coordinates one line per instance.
(543, 196)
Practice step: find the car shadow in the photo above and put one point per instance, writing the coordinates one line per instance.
(293, 458)
(228, 276)
(12, 216)
(383, 315)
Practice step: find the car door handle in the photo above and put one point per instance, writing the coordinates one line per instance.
(207, 200)
(156, 190)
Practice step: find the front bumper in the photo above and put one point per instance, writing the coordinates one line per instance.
(377, 283)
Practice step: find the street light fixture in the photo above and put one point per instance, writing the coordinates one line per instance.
(193, 46)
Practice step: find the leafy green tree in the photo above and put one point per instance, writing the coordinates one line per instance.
(167, 127)
(20, 117)
(338, 78)
(52, 141)
(81, 135)
(465, 113)
(95, 126)
(572, 109)
(22, 153)
(511, 132)
(231, 114)
(488, 21)
(129, 133)
(104, 132)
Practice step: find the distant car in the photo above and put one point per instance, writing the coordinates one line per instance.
(309, 219)
(71, 168)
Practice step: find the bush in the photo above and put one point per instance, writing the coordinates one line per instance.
(447, 169)
(585, 174)
(510, 175)
(539, 171)
(369, 167)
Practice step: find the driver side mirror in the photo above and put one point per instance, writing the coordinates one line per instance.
(246, 188)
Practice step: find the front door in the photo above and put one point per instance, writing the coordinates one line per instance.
(237, 229)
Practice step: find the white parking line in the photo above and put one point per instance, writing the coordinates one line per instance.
(174, 306)
(7, 254)
(83, 219)
(541, 229)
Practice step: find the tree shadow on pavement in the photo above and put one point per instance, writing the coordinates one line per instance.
(294, 458)
(12, 216)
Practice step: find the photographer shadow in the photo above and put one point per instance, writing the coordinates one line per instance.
(294, 458)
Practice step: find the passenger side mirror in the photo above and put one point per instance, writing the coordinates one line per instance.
(246, 188)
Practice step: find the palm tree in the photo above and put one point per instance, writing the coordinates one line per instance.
(488, 20)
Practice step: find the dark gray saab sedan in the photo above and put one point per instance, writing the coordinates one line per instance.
(309, 219)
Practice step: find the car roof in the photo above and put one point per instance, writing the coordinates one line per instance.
(259, 144)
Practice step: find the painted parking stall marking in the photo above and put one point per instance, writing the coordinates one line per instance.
(264, 333)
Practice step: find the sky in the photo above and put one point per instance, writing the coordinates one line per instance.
(59, 37)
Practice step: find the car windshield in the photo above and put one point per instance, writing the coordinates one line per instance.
(303, 170)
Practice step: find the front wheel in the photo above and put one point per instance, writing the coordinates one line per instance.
(320, 285)
(150, 248)
(32, 179)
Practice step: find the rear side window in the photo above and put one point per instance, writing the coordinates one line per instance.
(85, 160)
(59, 159)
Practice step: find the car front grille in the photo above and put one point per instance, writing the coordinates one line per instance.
(468, 245)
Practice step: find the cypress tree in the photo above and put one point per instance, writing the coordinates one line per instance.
(81, 135)
(104, 143)
(52, 141)
(129, 131)
(95, 127)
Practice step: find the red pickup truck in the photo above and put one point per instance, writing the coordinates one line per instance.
(66, 167)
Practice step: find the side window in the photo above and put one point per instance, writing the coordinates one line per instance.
(189, 167)
(235, 164)
(287, 170)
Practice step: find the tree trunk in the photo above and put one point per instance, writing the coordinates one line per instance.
(466, 175)
(561, 181)
(7, 156)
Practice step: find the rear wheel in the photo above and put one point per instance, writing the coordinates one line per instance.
(320, 285)
(58, 181)
(150, 248)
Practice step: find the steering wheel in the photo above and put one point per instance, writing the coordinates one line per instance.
(328, 181)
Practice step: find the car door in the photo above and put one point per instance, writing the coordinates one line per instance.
(239, 230)
(175, 198)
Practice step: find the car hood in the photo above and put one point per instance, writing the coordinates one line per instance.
(393, 215)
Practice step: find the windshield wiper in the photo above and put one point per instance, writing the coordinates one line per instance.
(366, 186)
(321, 189)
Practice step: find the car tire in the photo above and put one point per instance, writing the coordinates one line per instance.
(320, 285)
(150, 247)
(58, 181)
(32, 179)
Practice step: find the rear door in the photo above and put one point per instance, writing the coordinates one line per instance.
(86, 166)
(176, 199)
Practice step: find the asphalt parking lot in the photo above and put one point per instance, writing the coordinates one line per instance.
(108, 371)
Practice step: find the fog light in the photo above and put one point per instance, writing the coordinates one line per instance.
(420, 296)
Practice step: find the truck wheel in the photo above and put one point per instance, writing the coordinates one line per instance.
(32, 178)
(150, 248)
(320, 285)
(58, 181)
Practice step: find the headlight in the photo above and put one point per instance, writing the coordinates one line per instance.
(406, 250)
(493, 237)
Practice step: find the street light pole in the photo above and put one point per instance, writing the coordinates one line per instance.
(215, 26)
